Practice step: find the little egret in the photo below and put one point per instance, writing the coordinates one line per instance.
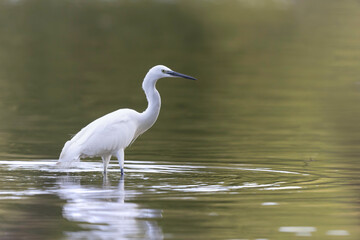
(110, 134)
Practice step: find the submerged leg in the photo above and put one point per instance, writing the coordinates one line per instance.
(120, 157)
(106, 160)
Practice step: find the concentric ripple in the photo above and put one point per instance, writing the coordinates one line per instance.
(202, 178)
(115, 207)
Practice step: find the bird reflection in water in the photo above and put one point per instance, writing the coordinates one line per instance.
(103, 213)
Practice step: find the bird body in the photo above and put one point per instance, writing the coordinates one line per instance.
(110, 134)
(116, 130)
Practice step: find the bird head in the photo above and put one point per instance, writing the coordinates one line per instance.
(161, 71)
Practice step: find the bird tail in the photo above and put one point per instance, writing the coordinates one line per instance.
(68, 157)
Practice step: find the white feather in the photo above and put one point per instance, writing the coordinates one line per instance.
(111, 134)
(104, 136)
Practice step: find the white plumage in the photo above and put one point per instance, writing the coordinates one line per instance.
(109, 135)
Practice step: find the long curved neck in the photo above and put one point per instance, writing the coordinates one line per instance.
(149, 116)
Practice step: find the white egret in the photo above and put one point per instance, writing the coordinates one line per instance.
(109, 135)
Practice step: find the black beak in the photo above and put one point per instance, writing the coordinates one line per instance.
(176, 74)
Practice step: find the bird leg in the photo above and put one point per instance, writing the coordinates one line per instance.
(120, 157)
(106, 160)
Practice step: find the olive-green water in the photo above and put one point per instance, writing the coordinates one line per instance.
(265, 145)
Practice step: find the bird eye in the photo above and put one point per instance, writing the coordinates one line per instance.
(163, 71)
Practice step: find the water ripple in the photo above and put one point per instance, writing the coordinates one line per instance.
(199, 177)
(105, 210)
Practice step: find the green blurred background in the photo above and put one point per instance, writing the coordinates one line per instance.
(64, 63)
